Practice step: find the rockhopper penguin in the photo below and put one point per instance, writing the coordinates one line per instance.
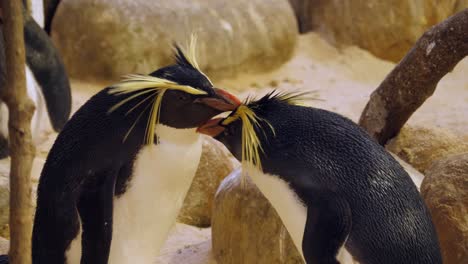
(331, 184)
(117, 174)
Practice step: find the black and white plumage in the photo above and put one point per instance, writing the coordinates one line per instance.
(331, 184)
(107, 195)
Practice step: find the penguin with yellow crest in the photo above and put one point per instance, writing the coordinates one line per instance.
(115, 179)
(330, 183)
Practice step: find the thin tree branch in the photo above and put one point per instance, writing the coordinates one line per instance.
(22, 150)
(415, 78)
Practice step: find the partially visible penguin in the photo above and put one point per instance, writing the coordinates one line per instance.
(331, 184)
(46, 82)
(115, 178)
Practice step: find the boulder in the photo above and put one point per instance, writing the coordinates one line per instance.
(445, 190)
(110, 38)
(4, 246)
(421, 146)
(214, 166)
(461, 5)
(388, 29)
(186, 245)
(246, 228)
(5, 191)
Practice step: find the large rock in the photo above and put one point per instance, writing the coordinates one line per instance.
(214, 166)
(461, 5)
(186, 245)
(388, 29)
(114, 37)
(4, 246)
(421, 146)
(246, 228)
(38, 163)
(445, 190)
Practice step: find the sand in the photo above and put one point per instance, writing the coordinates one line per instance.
(342, 79)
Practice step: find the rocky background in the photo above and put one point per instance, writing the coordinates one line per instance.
(342, 50)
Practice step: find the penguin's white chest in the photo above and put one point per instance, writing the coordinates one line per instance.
(284, 200)
(145, 213)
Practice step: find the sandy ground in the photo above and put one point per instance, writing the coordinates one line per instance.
(343, 80)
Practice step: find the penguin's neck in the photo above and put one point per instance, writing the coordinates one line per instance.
(176, 135)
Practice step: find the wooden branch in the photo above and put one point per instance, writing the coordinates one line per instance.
(27, 5)
(22, 150)
(415, 78)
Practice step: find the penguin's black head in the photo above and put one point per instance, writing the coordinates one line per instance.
(246, 131)
(182, 109)
(179, 95)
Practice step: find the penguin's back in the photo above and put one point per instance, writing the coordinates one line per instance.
(91, 141)
(314, 148)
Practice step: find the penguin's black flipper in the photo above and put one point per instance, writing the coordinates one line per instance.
(49, 71)
(96, 209)
(327, 227)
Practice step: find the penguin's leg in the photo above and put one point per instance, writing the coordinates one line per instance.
(327, 227)
(96, 208)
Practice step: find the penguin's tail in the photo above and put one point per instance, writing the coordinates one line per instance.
(4, 259)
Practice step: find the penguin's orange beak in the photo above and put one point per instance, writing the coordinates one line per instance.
(211, 128)
(222, 101)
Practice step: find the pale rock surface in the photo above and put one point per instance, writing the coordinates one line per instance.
(388, 29)
(187, 245)
(5, 190)
(421, 146)
(214, 166)
(4, 246)
(445, 190)
(115, 37)
(461, 5)
(246, 229)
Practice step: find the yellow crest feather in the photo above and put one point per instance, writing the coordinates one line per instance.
(154, 88)
(251, 145)
(190, 54)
